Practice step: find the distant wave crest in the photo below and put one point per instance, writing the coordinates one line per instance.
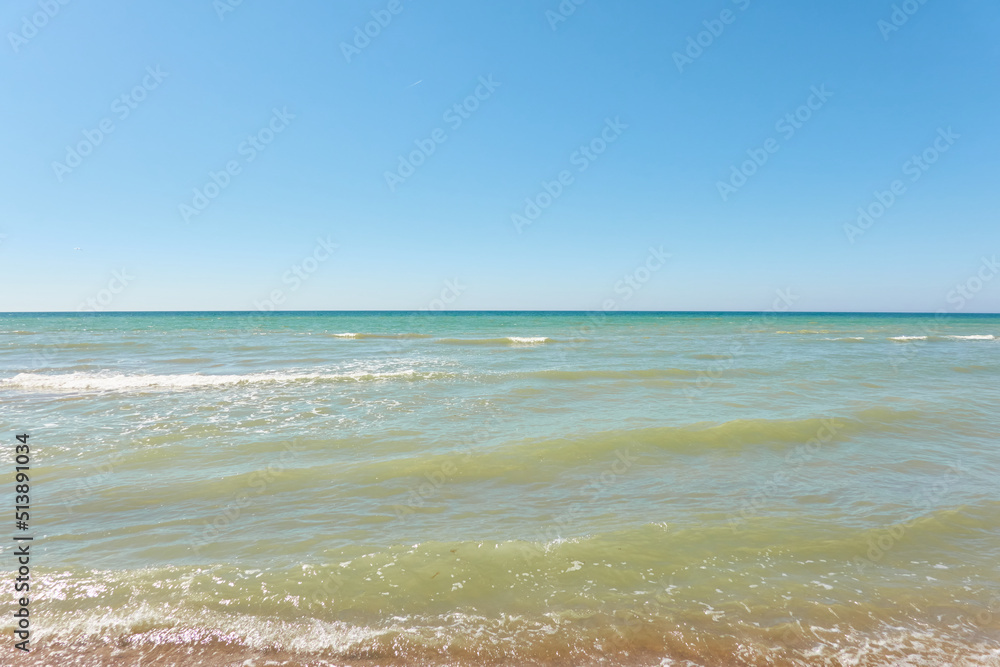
(139, 382)
(393, 336)
(509, 340)
(944, 338)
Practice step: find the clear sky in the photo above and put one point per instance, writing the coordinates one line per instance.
(665, 99)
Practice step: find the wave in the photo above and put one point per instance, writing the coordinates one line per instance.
(734, 435)
(587, 635)
(640, 595)
(542, 460)
(125, 382)
(112, 381)
(362, 336)
(509, 340)
(945, 337)
(532, 460)
(902, 338)
(639, 374)
(56, 346)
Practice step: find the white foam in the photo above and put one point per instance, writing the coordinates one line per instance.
(528, 339)
(346, 335)
(953, 337)
(122, 382)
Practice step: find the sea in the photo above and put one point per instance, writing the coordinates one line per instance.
(503, 488)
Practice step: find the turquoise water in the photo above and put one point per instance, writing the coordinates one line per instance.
(510, 488)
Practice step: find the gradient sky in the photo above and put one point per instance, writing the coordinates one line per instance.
(323, 176)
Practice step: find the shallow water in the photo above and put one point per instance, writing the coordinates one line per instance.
(509, 488)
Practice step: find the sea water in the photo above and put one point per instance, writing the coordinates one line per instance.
(507, 488)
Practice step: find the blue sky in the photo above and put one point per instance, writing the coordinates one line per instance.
(663, 130)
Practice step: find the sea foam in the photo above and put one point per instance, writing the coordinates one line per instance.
(137, 382)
